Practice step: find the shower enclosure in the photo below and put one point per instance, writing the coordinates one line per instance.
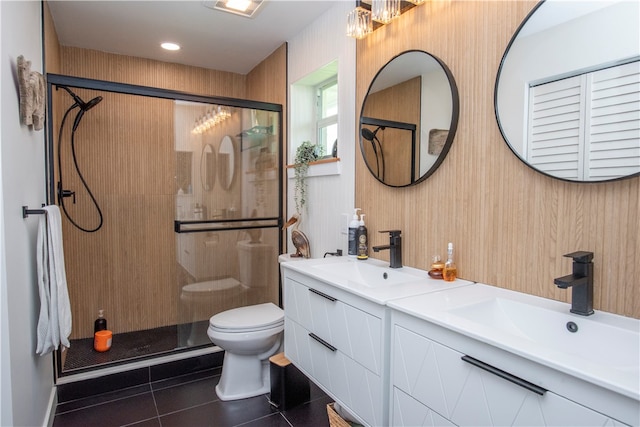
(174, 213)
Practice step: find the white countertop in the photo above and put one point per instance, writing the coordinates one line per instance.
(320, 269)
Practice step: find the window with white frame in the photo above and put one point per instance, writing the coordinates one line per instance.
(313, 117)
(327, 116)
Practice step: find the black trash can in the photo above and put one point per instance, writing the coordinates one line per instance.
(289, 386)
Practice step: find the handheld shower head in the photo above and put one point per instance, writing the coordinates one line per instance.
(92, 103)
(84, 106)
(368, 135)
(372, 138)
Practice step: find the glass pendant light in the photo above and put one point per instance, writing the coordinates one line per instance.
(359, 23)
(384, 11)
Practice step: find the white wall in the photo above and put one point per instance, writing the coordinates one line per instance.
(26, 384)
(328, 196)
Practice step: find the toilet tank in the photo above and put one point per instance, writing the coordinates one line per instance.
(257, 263)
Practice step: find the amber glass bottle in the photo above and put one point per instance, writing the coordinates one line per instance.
(450, 271)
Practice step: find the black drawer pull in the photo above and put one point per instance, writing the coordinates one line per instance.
(323, 295)
(505, 375)
(321, 341)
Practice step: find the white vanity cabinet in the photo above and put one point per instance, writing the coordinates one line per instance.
(338, 340)
(432, 383)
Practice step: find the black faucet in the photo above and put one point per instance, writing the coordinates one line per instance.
(394, 246)
(338, 252)
(581, 283)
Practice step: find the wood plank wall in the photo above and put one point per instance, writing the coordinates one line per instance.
(131, 272)
(510, 225)
(263, 84)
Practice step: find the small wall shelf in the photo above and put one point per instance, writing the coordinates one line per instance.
(322, 167)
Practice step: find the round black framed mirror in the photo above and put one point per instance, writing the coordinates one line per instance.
(567, 90)
(408, 119)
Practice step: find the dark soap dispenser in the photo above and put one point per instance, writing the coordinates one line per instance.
(100, 323)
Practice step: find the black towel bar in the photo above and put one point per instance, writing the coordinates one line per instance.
(26, 211)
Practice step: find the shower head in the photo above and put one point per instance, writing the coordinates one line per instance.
(367, 134)
(92, 103)
(84, 106)
(371, 137)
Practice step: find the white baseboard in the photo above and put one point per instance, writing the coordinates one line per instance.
(51, 407)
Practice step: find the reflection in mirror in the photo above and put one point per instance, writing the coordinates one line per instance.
(408, 119)
(226, 162)
(567, 94)
(208, 167)
(183, 172)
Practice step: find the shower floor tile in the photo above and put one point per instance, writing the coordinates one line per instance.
(125, 347)
(185, 401)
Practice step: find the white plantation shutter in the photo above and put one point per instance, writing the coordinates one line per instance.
(613, 122)
(556, 124)
(587, 127)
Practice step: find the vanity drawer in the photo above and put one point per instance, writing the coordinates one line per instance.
(470, 393)
(354, 332)
(345, 379)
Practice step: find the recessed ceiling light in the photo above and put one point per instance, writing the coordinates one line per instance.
(239, 5)
(170, 46)
(246, 8)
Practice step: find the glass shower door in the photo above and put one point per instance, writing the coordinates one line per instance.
(228, 211)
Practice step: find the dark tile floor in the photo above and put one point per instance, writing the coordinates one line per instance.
(188, 400)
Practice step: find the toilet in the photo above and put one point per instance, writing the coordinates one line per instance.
(249, 335)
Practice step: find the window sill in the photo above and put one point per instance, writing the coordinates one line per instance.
(323, 167)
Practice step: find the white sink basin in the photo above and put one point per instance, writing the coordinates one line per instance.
(604, 349)
(365, 273)
(591, 341)
(372, 279)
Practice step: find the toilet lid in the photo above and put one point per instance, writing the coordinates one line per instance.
(260, 316)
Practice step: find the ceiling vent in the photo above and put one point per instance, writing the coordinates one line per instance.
(246, 8)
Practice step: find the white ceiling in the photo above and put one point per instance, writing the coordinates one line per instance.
(209, 38)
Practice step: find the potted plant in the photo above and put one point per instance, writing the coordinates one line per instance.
(305, 154)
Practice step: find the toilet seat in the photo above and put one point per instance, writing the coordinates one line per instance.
(247, 319)
(212, 285)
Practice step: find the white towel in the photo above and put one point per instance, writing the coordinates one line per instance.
(54, 322)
